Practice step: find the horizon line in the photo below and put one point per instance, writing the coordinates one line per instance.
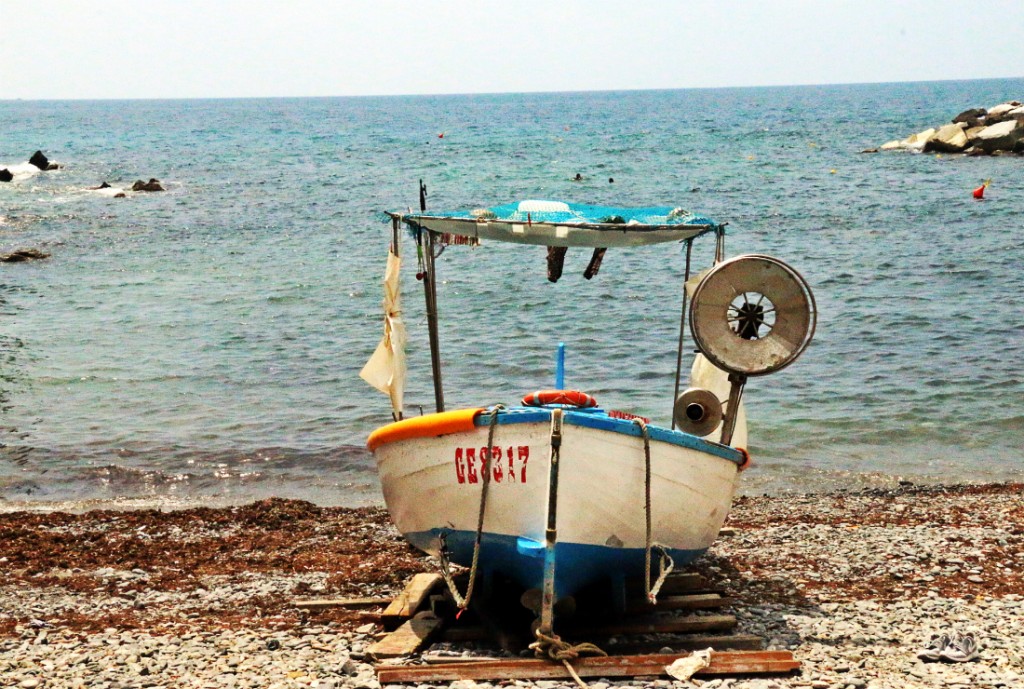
(508, 93)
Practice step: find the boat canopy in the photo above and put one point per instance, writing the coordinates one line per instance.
(556, 225)
(560, 224)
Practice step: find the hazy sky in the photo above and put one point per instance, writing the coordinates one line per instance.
(230, 48)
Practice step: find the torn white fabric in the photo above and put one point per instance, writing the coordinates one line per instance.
(386, 368)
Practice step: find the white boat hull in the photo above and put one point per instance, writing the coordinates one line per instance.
(433, 485)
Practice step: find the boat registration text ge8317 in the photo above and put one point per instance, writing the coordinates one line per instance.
(509, 465)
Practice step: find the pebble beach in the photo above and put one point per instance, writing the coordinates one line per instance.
(853, 583)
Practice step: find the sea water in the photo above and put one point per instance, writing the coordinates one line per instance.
(204, 343)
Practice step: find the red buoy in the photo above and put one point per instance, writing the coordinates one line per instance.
(979, 193)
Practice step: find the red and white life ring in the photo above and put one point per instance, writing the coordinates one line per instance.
(572, 398)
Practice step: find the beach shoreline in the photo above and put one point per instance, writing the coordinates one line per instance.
(852, 582)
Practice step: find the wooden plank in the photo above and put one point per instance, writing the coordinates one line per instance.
(731, 642)
(677, 582)
(690, 601)
(407, 639)
(688, 585)
(417, 590)
(673, 625)
(722, 663)
(692, 642)
(323, 603)
(437, 659)
(683, 582)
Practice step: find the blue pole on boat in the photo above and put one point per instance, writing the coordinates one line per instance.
(560, 367)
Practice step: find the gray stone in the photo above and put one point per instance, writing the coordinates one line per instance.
(999, 113)
(21, 255)
(1000, 137)
(971, 117)
(41, 162)
(917, 142)
(152, 185)
(948, 139)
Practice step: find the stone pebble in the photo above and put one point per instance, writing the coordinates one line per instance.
(846, 637)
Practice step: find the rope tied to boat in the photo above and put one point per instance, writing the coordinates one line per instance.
(551, 647)
(665, 562)
(463, 601)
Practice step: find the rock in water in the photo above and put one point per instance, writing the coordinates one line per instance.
(1001, 112)
(972, 117)
(994, 131)
(152, 185)
(917, 142)
(23, 255)
(5, 175)
(949, 139)
(41, 161)
(914, 142)
(1001, 137)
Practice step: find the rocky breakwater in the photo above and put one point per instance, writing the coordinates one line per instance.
(998, 130)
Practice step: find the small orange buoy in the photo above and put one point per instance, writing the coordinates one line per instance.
(979, 193)
(441, 135)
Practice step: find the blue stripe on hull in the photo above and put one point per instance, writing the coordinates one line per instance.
(596, 418)
(523, 559)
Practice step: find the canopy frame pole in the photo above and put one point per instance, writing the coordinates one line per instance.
(430, 294)
(682, 333)
(395, 222)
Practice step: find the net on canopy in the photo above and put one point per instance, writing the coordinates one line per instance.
(577, 213)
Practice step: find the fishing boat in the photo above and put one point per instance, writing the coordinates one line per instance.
(556, 492)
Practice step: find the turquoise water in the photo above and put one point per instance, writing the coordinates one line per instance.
(205, 343)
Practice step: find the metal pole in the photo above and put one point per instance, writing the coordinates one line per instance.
(682, 333)
(738, 380)
(560, 367)
(547, 609)
(430, 292)
(394, 234)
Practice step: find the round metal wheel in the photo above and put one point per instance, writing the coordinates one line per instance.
(752, 315)
(697, 412)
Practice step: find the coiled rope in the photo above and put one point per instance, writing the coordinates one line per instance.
(665, 563)
(551, 647)
(460, 601)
